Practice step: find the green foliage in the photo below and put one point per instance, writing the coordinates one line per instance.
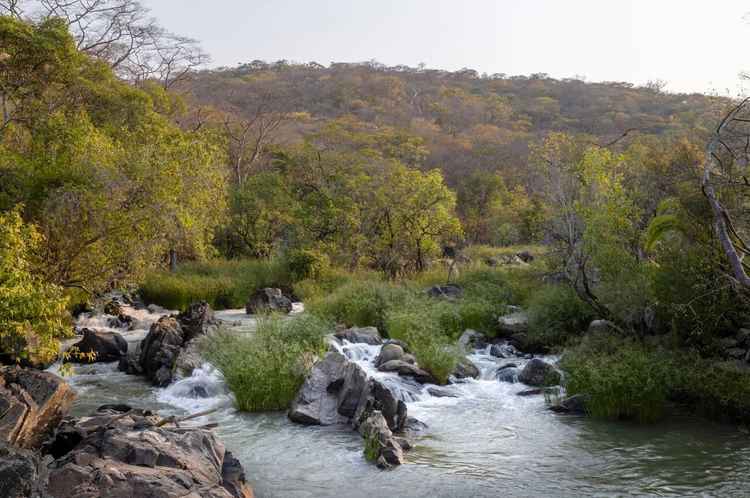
(79, 145)
(307, 264)
(265, 369)
(33, 314)
(360, 303)
(421, 329)
(221, 283)
(623, 379)
(556, 315)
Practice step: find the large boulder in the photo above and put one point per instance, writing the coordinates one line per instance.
(366, 335)
(32, 403)
(160, 349)
(128, 455)
(315, 403)
(377, 397)
(465, 369)
(21, 475)
(575, 404)
(450, 292)
(539, 373)
(388, 353)
(268, 300)
(99, 346)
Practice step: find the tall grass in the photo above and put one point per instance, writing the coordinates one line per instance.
(557, 316)
(221, 283)
(266, 369)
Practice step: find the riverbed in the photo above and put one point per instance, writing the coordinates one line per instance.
(486, 442)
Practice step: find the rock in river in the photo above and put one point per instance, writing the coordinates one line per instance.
(268, 300)
(539, 373)
(365, 335)
(99, 346)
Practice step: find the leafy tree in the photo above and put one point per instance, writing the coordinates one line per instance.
(33, 315)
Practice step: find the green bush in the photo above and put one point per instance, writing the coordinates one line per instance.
(557, 314)
(420, 328)
(622, 378)
(266, 369)
(359, 303)
(307, 264)
(221, 283)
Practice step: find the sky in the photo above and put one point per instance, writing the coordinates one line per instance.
(693, 45)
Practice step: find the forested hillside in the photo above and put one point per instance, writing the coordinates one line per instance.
(466, 121)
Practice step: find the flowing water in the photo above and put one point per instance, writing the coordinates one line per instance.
(485, 442)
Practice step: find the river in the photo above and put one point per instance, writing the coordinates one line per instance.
(486, 442)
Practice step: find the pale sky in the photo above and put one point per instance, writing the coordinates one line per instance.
(694, 45)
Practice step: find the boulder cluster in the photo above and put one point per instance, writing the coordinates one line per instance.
(118, 452)
(171, 346)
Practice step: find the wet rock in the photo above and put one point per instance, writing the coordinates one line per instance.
(514, 323)
(539, 373)
(575, 404)
(366, 335)
(21, 473)
(465, 369)
(113, 307)
(409, 358)
(408, 370)
(508, 373)
(441, 392)
(316, 403)
(32, 403)
(159, 350)
(99, 346)
(450, 291)
(131, 362)
(268, 300)
(380, 444)
(388, 353)
(504, 350)
(188, 359)
(471, 339)
(403, 345)
(128, 456)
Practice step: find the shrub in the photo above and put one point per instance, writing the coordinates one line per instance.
(622, 378)
(221, 283)
(557, 314)
(359, 303)
(266, 369)
(421, 329)
(307, 264)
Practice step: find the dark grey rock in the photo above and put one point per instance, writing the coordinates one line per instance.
(450, 291)
(268, 300)
(105, 347)
(366, 335)
(539, 373)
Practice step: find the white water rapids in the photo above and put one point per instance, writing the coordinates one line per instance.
(485, 442)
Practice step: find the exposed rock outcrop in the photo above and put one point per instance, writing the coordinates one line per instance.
(32, 403)
(21, 473)
(99, 346)
(268, 300)
(127, 455)
(338, 391)
(170, 347)
(465, 369)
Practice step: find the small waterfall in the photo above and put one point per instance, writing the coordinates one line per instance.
(203, 390)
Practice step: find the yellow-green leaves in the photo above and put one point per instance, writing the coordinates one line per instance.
(33, 316)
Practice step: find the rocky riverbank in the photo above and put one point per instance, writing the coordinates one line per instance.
(117, 452)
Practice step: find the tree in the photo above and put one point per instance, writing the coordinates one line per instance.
(33, 315)
(122, 33)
